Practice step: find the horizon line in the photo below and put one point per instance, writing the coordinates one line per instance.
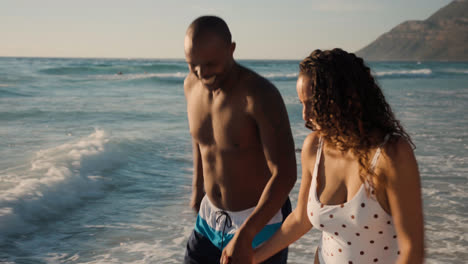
(182, 59)
(126, 58)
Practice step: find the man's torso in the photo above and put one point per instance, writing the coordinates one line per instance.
(234, 166)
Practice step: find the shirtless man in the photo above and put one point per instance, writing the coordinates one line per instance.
(243, 151)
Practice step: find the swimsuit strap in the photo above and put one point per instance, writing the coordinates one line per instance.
(317, 159)
(319, 152)
(374, 160)
(377, 153)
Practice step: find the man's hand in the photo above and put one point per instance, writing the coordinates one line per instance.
(238, 251)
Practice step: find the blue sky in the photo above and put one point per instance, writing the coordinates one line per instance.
(287, 29)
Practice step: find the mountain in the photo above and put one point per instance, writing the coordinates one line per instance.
(441, 37)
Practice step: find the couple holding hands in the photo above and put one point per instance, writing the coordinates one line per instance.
(360, 183)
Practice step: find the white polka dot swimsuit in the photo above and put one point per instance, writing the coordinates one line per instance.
(357, 231)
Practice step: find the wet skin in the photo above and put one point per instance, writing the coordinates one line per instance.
(243, 151)
(223, 101)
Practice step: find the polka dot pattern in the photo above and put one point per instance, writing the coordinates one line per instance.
(354, 231)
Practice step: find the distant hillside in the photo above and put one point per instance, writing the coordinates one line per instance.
(441, 37)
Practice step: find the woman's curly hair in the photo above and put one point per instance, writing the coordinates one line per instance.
(349, 106)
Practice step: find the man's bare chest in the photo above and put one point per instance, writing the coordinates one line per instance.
(223, 123)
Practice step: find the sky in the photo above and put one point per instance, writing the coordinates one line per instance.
(262, 29)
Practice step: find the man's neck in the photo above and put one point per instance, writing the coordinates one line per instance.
(232, 77)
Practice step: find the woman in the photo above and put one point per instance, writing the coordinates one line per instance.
(360, 182)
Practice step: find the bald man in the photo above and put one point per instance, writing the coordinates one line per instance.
(243, 151)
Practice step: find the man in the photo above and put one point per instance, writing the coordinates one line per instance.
(243, 151)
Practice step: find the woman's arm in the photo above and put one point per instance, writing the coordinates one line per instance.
(297, 223)
(404, 197)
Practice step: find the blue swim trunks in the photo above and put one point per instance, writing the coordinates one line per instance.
(215, 227)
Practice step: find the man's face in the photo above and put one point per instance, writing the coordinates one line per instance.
(209, 58)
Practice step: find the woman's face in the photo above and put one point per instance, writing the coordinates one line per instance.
(304, 92)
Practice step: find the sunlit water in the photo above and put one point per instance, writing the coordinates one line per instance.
(96, 166)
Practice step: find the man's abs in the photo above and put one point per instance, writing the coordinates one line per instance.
(234, 180)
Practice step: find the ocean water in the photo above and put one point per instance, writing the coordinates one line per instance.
(96, 167)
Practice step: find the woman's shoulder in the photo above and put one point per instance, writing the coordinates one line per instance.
(398, 156)
(310, 146)
(398, 148)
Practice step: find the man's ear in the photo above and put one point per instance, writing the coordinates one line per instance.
(233, 47)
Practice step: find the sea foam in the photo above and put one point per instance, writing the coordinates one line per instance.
(136, 76)
(278, 76)
(456, 71)
(419, 72)
(58, 179)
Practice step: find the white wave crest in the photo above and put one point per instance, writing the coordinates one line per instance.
(136, 76)
(457, 71)
(280, 75)
(59, 179)
(404, 72)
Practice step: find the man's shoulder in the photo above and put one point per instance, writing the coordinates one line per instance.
(254, 82)
(257, 88)
(189, 82)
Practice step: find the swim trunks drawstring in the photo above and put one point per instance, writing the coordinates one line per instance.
(227, 223)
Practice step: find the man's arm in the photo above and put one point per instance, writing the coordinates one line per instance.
(267, 108)
(297, 223)
(269, 111)
(197, 181)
